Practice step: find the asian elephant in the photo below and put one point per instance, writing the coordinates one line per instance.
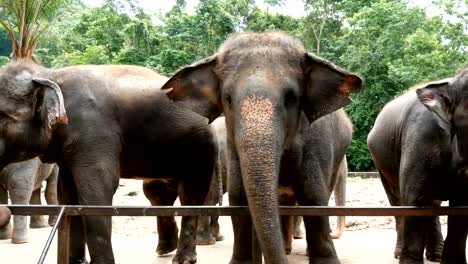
(419, 145)
(208, 231)
(326, 143)
(22, 182)
(270, 90)
(5, 215)
(100, 123)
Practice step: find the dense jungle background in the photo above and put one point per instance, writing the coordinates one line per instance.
(392, 44)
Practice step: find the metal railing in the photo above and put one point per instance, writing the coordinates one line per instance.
(66, 212)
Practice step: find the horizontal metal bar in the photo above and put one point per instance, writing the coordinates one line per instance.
(73, 210)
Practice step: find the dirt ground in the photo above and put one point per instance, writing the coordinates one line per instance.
(366, 239)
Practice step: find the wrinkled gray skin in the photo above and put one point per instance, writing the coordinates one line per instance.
(419, 145)
(337, 128)
(100, 123)
(326, 142)
(208, 231)
(270, 90)
(22, 181)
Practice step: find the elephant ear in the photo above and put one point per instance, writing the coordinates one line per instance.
(436, 97)
(49, 107)
(197, 88)
(327, 87)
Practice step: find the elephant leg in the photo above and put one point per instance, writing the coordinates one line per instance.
(192, 191)
(37, 221)
(20, 222)
(414, 230)
(286, 197)
(287, 224)
(204, 236)
(214, 228)
(51, 192)
(394, 199)
(96, 185)
(5, 232)
(435, 241)
(399, 242)
(340, 198)
(311, 190)
(298, 234)
(164, 193)
(67, 194)
(241, 225)
(455, 243)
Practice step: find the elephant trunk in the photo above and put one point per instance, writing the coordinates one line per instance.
(259, 145)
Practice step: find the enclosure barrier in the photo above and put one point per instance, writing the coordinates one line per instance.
(66, 212)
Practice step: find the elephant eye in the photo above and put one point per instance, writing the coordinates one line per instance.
(290, 99)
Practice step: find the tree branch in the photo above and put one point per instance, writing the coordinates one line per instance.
(21, 24)
(31, 24)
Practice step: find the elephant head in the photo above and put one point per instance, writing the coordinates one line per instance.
(30, 108)
(447, 99)
(263, 82)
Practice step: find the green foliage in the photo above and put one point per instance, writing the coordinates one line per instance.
(393, 46)
(390, 43)
(5, 43)
(24, 21)
(4, 60)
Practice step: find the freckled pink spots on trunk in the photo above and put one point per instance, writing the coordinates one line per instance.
(260, 153)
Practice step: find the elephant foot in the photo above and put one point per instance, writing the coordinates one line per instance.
(298, 234)
(235, 261)
(52, 220)
(6, 232)
(205, 239)
(434, 248)
(434, 252)
(219, 237)
(324, 260)
(408, 260)
(397, 252)
(185, 258)
(20, 237)
(336, 235)
(78, 261)
(38, 222)
(166, 246)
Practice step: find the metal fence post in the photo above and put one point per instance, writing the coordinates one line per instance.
(63, 241)
(51, 236)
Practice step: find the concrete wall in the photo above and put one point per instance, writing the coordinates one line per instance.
(364, 175)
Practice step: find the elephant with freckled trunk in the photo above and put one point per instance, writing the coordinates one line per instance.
(270, 90)
(100, 123)
(22, 181)
(419, 145)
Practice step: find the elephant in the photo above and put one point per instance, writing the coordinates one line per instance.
(100, 123)
(419, 147)
(326, 143)
(335, 176)
(208, 231)
(22, 181)
(5, 215)
(270, 90)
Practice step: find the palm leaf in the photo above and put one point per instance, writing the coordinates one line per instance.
(25, 20)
